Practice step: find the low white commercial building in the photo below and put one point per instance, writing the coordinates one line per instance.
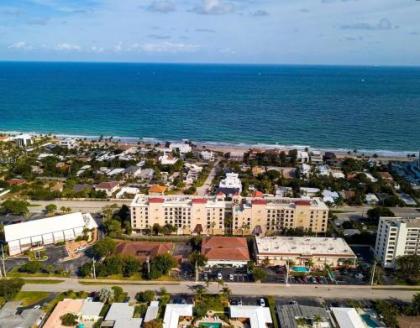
(302, 251)
(174, 311)
(397, 237)
(23, 236)
(258, 316)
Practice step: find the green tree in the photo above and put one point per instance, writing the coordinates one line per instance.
(106, 295)
(131, 266)
(31, 267)
(259, 274)
(408, 266)
(146, 297)
(50, 208)
(153, 324)
(10, 287)
(69, 319)
(197, 259)
(160, 265)
(415, 304)
(16, 207)
(375, 213)
(104, 247)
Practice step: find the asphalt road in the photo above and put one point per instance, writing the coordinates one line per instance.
(201, 191)
(240, 289)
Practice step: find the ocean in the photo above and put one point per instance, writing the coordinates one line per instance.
(327, 107)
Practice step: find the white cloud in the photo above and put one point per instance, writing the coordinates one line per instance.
(214, 7)
(21, 45)
(169, 47)
(162, 6)
(67, 47)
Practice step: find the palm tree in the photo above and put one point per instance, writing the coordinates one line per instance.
(226, 292)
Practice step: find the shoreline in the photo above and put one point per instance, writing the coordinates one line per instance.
(226, 147)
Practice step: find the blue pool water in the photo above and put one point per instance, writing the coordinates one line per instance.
(300, 269)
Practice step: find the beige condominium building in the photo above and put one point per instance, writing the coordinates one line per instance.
(215, 215)
(271, 214)
(397, 237)
(301, 252)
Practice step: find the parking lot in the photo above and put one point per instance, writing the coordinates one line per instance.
(277, 274)
(225, 274)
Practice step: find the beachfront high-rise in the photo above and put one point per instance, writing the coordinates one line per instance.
(397, 237)
(216, 215)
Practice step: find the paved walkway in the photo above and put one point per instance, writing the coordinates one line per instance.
(243, 289)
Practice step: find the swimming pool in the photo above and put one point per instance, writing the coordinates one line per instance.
(300, 269)
(210, 325)
(369, 321)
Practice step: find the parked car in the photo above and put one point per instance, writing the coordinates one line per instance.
(231, 277)
(262, 302)
(219, 276)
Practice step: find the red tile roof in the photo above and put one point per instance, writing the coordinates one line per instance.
(144, 249)
(259, 202)
(16, 182)
(199, 201)
(107, 185)
(257, 193)
(303, 202)
(156, 200)
(225, 248)
(157, 189)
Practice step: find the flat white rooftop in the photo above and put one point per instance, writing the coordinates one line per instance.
(304, 246)
(258, 316)
(48, 225)
(347, 318)
(174, 311)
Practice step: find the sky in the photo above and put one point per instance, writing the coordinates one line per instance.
(330, 32)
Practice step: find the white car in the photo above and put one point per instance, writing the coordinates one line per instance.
(231, 277)
(262, 302)
(219, 276)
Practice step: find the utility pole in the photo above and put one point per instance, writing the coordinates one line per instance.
(372, 278)
(148, 265)
(287, 273)
(196, 271)
(2, 260)
(93, 268)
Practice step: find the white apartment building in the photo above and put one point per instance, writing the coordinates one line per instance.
(183, 148)
(68, 143)
(231, 184)
(397, 237)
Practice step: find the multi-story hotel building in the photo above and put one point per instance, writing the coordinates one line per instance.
(270, 214)
(397, 237)
(216, 215)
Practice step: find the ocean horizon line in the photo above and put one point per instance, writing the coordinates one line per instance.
(243, 145)
(40, 61)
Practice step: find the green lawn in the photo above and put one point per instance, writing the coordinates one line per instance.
(43, 281)
(29, 298)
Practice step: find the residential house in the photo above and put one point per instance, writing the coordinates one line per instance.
(109, 187)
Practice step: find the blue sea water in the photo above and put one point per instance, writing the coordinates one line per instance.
(321, 106)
